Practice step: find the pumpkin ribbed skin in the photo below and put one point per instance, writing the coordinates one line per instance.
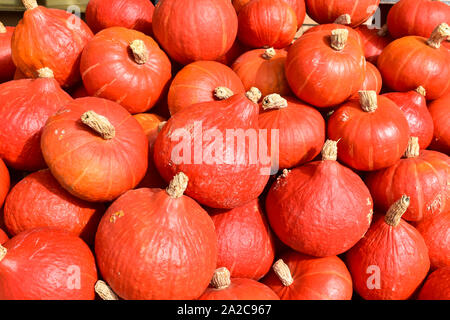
(373, 42)
(3, 237)
(265, 73)
(168, 248)
(85, 164)
(436, 232)
(49, 264)
(322, 11)
(109, 70)
(301, 132)
(313, 278)
(240, 289)
(271, 23)
(39, 201)
(59, 47)
(7, 67)
(369, 140)
(25, 106)
(245, 243)
(4, 182)
(321, 75)
(195, 30)
(196, 82)
(372, 80)
(440, 113)
(424, 178)
(414, 106)
(437, 286)
(416, 17)
(131, 14)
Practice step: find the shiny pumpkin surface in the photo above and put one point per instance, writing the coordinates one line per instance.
(7, 67)
(437, 286)
(4, 182)
(440, 113)
(373, 42)
(240, 289)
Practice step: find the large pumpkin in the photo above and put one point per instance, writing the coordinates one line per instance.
(4, 182)
(39, 201)
(223, 287)
(413, 61)
(296, 276)
(7, 67)
(423, 175)
(26, 105)
(373, 132)
(195, 30)
(391, 260)
(437, 286)
(374, 41)
(125, 66)
(440, 113)
(325, 68)
(50, 38)
(48, 264)
(301, 130)
(219, 147)
(271, 23)
(168, 247)
(244, 241)
(95, 149)
(416, 17)
(131, 14)
(197, 82)
(321, 208)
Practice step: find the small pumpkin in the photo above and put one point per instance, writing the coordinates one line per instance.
(7, 66)
(321, 208)
(49, 38)
(49, 264)
(223, 287)
(372, 81)
(4, 182)
(296, 276)
(125, 66)
(440, 113)
(374, 41)
(168, 248)
(197, 82)
(391, 260)
(95, 149)
(436, 286)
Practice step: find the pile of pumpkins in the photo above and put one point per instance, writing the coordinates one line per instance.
(104, 193)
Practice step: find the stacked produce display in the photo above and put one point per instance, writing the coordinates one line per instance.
(220, 150)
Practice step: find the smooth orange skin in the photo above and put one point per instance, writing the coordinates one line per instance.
(47, 264)
(322, 11)
(245, 243)
(369, 141)
(399, 252)
(372, 80)
(196, 82)
(440, 112)
(322, 76)
(3, 237)
(39, 201)
(271, 23)
(88, 166)
(59, 47)
(109, 70)
(301, 132)
(4, 182)
(424, 179)
(240, 289)
(410, 62)
(314, 278)
(437, 285)
(266, 75)
(195, 30)
(168, 247)
(7, 67)
(372, 42)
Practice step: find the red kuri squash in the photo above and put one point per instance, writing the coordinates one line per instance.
(7, 67)
(437, 286)
(168, 248)
(440, 113)
(95, 149)
(374, 41)
(4, 182)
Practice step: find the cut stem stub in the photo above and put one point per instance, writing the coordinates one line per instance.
(221, 278)
(396, 211)
(178, 185)
(99, 124)
(283, 272)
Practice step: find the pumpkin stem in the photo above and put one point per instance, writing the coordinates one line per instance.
(282, 271)
(269, 53)
(140, 51)
(339, 38)
(161, 125)
(344, 19)
(253, 94)
(2, 28)
(421, 90)
(413, 149)
(30, 4)
(368, 100)
(178, 185)
(45, 73)
(396, 211)
(3, 252)
(104, 291)
(329, 150)
(274, 101)
(223, 93)
(99, 124)
(440, 33)
(221, 278)
(383, 32)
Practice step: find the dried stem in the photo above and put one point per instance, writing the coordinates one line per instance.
(45, 73)
(221, 278)
(282, 271)
(274, 101)
(178, 185)
(2, 28)
(344, 19)
(140, 51)
(396, 211)
(421, 90)
(253, 94)
(223, 93)
(440, 33)
(329, 150)
(30, 4)
(413, 149)
(104, 291)
(99, 124)
(368, 100)
(269, 53)
(3, 252)
(339, 38)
